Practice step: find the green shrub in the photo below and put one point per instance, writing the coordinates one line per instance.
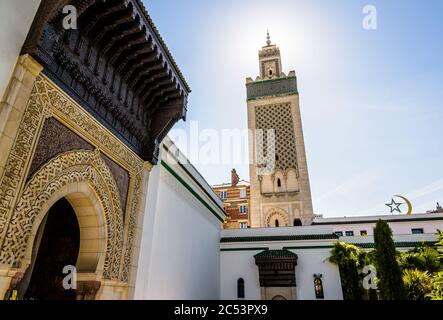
(418, 284)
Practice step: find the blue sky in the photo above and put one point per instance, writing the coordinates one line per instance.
(371, 101)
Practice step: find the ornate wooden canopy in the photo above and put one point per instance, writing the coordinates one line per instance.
(116, 65)
(276, 268)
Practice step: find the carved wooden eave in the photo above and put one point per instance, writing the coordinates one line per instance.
(116, 65)
(276, 268)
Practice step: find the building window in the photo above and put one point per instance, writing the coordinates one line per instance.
(243, 225)
(243, 209)
(318, 286)
(277, 224)
(243, 193)
(417, 230)
(339, 233)
(240, 288)
(297, 222)
(363, 233)
(223, 195)
(279, 183)
(349, 233)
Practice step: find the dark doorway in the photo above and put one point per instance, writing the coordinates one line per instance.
(297, 223)
(240, 288)
(58, 247)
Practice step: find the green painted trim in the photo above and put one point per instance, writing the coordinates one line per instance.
(193, 178)
(244, 249)
(404, 244)
(375, 221)
(270, 80)
(292, 93)
(192, 191)
(281, 238)
(309, 247)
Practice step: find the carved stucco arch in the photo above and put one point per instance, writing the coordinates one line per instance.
(57, 178)
(277, 213)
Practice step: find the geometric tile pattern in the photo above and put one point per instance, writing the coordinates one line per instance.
(279, 118)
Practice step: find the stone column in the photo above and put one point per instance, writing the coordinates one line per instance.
(87, 290)
(12, 108)
(13, 103)
(138, 231)
(9, 279)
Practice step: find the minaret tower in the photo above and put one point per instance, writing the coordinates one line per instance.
(280, 189)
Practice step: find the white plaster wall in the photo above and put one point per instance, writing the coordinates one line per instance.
(397, 227)
(147, 234)
(16, 17)
(314, 261)
(241, 264)
(183, 261)
(235, 265)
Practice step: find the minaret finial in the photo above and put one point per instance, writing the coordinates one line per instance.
(268, 37)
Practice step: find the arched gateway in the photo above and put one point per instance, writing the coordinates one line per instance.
(85, 181)
(82, 120)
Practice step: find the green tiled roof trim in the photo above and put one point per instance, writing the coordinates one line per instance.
(309, 247)
(244, 249)
(275, 87)
(275, 95)
(162, 43)
(281, 238)
(276, 254)
(405, 244)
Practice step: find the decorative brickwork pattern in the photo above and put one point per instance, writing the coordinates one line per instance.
(279, 118)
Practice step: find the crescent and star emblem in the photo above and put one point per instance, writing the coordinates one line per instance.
(395, 206)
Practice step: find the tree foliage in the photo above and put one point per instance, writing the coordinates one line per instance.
(423, 258)
(346, 257)
(418, 284)
(437, 292)
(390, 282)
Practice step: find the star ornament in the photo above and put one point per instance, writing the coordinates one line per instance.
(394, 206)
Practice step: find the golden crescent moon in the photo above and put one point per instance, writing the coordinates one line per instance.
(408, 203)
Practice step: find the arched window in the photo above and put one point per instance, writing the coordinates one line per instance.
(240, 288)
(297, 222)
(318, 286)
(270, 72)
(277, 224)
(279, 183)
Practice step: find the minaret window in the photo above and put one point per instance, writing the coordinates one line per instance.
(277, 224)
(270, 72)
(279, 183)
(297, 222)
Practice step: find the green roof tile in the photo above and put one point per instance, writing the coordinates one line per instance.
(276, 254)
(280, 238)
(404, 244)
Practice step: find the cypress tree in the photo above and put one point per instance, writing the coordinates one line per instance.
(390, 282)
